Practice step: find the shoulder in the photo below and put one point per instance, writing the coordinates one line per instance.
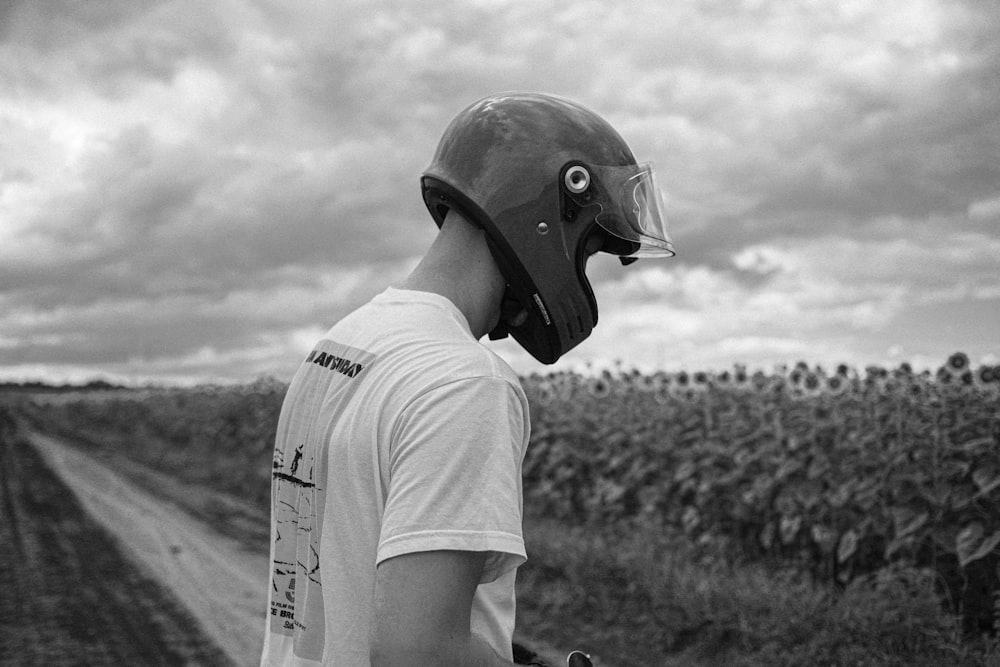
(420, 343)
(475, 360)
(470, 373)
(470, 382)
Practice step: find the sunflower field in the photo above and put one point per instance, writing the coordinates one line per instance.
(839, 473)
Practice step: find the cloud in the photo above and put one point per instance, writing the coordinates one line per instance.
(985, 209)
(777, 298)
(185, 180)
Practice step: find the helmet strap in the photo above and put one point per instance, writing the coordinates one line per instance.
(510, 309)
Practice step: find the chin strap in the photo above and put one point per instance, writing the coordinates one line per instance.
(511, 314)
(499, 332)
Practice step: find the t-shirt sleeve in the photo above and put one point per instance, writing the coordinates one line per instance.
(455, 474)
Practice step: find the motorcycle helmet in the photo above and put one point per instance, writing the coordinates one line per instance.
(551, 183)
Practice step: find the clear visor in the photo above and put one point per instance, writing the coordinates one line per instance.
(631, 207)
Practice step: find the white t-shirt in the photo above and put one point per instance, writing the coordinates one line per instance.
(399, 433)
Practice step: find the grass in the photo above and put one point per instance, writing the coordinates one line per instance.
(632, 596)
(627, 594)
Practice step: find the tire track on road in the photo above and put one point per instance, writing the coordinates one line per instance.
(68, 595)
(220, 582)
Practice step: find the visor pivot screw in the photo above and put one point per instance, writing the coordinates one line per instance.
(577, 179)
(543, 228)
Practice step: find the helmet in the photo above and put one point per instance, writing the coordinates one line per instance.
(550, 182)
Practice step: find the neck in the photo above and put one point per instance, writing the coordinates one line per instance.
(460, 267)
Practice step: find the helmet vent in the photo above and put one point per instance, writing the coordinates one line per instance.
(575, 333)
(577, 179)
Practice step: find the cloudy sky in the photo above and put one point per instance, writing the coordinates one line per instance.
(195, 191)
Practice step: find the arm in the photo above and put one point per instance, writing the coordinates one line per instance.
(423, 605)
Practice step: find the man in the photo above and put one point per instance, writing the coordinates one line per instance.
(396, 491)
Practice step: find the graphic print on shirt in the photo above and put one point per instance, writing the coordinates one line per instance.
(329, 377)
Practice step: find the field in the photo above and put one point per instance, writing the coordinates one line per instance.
(799, 516)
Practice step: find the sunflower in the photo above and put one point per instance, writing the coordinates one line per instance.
(701, 381)
(759, 381)
(836, 385)
(647, 383)
(876, 372)
(875, 379)
(958, 363)
(685, 393)
(988, 377)
(600, 387)
(916, 389)
(663, 394)
(546, 394)
(740, 378)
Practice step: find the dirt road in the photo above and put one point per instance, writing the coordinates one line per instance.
(131, 567)
(68, 595)
(218, 580)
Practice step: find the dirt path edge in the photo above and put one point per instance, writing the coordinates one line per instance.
(216, 578)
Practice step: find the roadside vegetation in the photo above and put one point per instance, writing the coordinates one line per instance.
(632, 597)
(800, 516)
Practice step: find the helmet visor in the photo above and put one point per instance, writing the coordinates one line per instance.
(631, 208)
